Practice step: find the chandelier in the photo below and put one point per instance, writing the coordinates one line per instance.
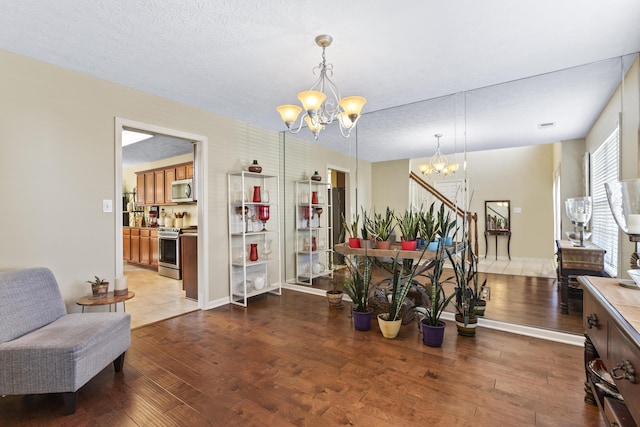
(439, 163)
(322, 103)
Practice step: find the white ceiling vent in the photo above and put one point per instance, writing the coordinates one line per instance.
(546, 125)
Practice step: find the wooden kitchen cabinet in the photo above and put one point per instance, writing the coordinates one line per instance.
(126, 244)
(145, 241)
(189, 249)
(159, 177)
(140, 189)
(154, 186)
(135, 246)
(154, 248)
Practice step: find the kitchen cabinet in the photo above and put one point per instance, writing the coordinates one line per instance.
(135, 246)
(126, 244)
(159, 186)
(254, 245)
(140, 246)
(189, 248)
(313, 231)
(154, 186)
(140, 189)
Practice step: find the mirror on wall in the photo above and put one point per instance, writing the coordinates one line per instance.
(478, 120)
(497, 215)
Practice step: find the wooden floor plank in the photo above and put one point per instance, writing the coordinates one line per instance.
(291, 361)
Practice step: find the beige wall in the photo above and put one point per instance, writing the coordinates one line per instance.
(57, 144)
(391, 185)
(572, 176)
(522, 175)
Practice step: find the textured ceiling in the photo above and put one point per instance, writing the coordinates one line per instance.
(242, 58)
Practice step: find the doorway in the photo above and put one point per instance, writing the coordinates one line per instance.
(338, 180)
(150, 304)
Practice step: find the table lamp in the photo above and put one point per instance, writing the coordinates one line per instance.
(624, 202)
(579, 211)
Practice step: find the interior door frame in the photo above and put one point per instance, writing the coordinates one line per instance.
(201, 143)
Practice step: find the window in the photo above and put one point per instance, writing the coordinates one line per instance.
(604, 163)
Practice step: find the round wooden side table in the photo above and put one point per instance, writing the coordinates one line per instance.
(110, 299)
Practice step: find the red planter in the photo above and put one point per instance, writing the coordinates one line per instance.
(354, 242)
(409, 245)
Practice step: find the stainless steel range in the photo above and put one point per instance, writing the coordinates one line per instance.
(169, 262)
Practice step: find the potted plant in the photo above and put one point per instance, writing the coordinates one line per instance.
(356, 285)
(434, 301)
(381, 228)
(365, 241)
(401, 281)
(408, 225)
(468, 291)
(99, 287)
(445, 226)
(428, 227)
(334, 295)
(352, 231)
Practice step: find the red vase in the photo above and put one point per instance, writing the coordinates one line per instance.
(256, 194)
(314, 197)
(253, 254)
(313, 243)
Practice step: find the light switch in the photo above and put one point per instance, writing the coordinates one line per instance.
(517, 210)
(107, 206)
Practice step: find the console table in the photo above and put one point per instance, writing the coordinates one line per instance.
(108, 300)
(497, 233)
(611, 322)
(574, 261)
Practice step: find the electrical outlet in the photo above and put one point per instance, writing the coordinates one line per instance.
(107, 206)
(486, 293)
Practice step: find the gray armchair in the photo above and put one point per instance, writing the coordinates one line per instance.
(45, 350)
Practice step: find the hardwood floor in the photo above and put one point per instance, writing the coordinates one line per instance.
(290, 361)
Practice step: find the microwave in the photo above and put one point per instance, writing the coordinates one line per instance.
(182, 191)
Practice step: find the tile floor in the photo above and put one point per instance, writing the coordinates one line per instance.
(524, 267)
(157, 297)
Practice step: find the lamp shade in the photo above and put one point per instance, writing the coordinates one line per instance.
(579, 209)
(289, 113)
(352, 106)
(311, 99)
(624, 202)
(312, 127)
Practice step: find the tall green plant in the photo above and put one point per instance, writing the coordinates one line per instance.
(445, 225)
(402, 279)
(468, 287)
(437, 297)
(366, 225)
(428, 227)
(356, 285)
(408, 225)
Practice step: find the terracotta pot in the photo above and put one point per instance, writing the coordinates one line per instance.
(354, 242)
(362, 319)
(385, 244)
(468, 330)
(335, 299)
(409, 245)
(389, 328)
(433, 336)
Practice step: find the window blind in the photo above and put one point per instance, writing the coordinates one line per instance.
(604, 163)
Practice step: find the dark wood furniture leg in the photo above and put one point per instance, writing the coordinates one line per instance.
(564, 294)
(118, 363)
(509, 245)
(486, 246)
(70, 400)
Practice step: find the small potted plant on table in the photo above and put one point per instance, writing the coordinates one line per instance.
(99, 287)
(381, 228)
(428, 228)
(408, 225)
(352, 231)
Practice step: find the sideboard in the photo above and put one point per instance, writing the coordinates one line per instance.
(612, 321)
(574, 261)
